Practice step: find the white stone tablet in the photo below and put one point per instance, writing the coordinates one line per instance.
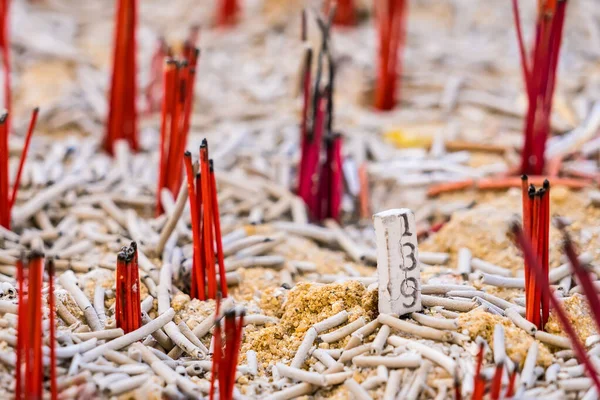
(397, 262)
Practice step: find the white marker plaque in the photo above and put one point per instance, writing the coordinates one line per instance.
(397, 262)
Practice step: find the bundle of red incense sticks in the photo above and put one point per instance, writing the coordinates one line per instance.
(155, 88)
(536, 223)
(29, 356)
(479, 380)
(227, 12)
(122, 113)
(178, 98)
(391, 26)
(541, 276)
(320, 186)
(539, 72)
(128, 310)
(8, 198)
(345, 13)
(206, 228)
(226, 353)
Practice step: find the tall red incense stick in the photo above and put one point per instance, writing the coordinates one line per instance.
(539, 72)
(538, 273)
(226, 354)
(52, 320)
(536, 224)
(391, 21)
(206, 228)
(7, 199)
(29, 360)
(320, 184)
(5, 51)
(122, 113)
(227, 12)
(179, 78)
(345, 13)
(127, 306)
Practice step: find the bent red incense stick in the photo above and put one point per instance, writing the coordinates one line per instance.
(539, 274)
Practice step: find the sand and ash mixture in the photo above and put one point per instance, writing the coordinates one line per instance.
(312, 328)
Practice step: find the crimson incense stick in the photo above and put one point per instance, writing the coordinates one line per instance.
(226, 354)
(227, 12)
(320, 183)
(29, 356)
(5, 51)
(179, 78)
(122, 113)
(539, 72)
(541, 276)
(52, 320)
(497, 382)
(8, 198)
(127, 306)
(391, 20)
(536, 223)
(345, 11)
(206, 229)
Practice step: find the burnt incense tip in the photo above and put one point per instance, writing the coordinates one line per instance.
(211, 165)
(524, 177)
(515, 227)
(187, 153)
(546, 184)
(204, 143)
(170, 61)
(36, 109)
(3, 117)
(541, 192)
(35, 254)
(230, 314)
(50, 265)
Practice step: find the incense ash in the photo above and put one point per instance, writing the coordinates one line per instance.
(349, 199)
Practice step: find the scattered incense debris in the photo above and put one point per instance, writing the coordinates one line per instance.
(481, 323)
(291, 288)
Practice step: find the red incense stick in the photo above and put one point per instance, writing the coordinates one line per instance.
(542, 278)
(536, 221)
(227, 12)
(122, 114)
(32, 123)
(391, 16)
(29, 367)
(539, 74)
(497, 382)
(179, 78)
(206, 229)
(127, 306)
(345, 12)
(5, 51)
(52, 320)
(226, 354)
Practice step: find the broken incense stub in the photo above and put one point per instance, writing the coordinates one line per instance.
(397, 262)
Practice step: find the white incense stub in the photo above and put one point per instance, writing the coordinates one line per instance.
(397, 262)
